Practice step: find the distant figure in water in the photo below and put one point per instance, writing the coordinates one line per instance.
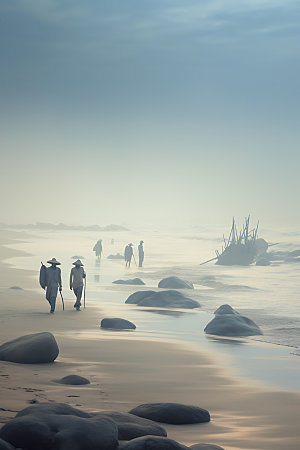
(76, 282)
(53, 282)
(98, 249)
(112, 241)
(141, 253)
(128, 253)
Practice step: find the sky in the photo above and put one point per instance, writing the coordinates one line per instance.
(149, 111)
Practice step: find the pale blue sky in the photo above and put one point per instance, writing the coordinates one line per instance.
(149, 111)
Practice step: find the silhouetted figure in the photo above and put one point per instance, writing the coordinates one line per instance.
(128, 253)
(76, 282)
(53, 282)
(98, 249)
(141, 253)
(112, 241)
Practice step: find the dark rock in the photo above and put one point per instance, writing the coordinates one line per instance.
(175, 283)
(131, 427)
(5, 445)
(134, 281)
(30, 349)
(77, 257)
(41, 429)
(153, 443)
(53, 408)
(206, 447)
(174, 413)
(231, 323)
(263, 262)
(117, 256)
(17, 288)
(117, 324)
(73, 380)
(225, 309)
(165, 299)
(138, 296)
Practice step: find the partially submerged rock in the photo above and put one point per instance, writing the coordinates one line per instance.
(153, 443)
(30, 349)
(131, 427)
(206, 447)
(117, 323)
(117, 256)
(134, 281)
(263, 262)
(16, 288)
(164, 299)
(175, 283)
(228, 322)
(74, 380)
(173, 413)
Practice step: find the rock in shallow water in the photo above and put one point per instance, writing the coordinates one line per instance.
(205, 447)
(153, 443)
(74, 380)
(175, 283)
(164, 299)
(30, 349)
(134, 281)
(116, 323)
(173, 413)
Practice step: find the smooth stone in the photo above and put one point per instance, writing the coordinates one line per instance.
(225, 309)
(5, 445)
(134, 281)
(17, 288)
(173, 413)
(206, 447)
(117, 256)
(232, 325)
(175, 283)
(30, 349)
(116, 323)
(53, 408)
(164, 299)
(73, 380)
(153, 443)
(77, 257)
(131, 427)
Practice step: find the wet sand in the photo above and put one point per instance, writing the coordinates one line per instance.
(126, 372)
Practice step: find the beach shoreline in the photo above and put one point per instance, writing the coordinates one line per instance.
(125, 373)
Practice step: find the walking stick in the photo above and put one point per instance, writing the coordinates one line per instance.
(134, 259)
(84, 292)
(63, 304)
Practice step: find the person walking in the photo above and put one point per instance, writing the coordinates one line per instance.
(53, 282)
(141, 253)
(98, 249)
(128, 253)
(76, 282)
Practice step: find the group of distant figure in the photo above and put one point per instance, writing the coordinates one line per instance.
(128, 252)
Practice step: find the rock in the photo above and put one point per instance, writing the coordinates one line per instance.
(174, 413)
(73, 380)
(153, 443)
(45, 428)
(17, 288)
(5, 445)
(117, 256)
(131, 427)
(228, 322)
(263, 262)
(225, 309)
(77, 257)
(137, 296)
(206, 447)
(175, 283)
(30, 349)
(117, 324)
(53, 408)
(134, 281)
(165, 299)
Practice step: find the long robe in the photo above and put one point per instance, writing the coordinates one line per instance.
(53, 280)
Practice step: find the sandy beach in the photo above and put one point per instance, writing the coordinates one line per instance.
(126, 372)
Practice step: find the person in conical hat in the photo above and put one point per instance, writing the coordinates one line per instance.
(76, 282)
(98, 249)
(141, 253)
(53, 282)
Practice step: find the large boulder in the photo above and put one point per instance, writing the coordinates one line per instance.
(165, 299)
(116, 323)
(175, 283)
(206, 447)
(228, 322)
(174, 413)
(41, 429)
(75, 380)
(153, 443)
(134, 281)
(61, 409)
(5, 445)
(131, 427)
(30, 349)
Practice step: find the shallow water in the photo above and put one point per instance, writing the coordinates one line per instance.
(268, 295)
